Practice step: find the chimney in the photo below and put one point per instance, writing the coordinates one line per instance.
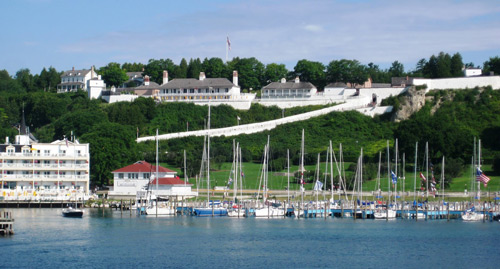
(6, 140)
(297, 80)
(92, 72)
(146, 80)
(73, 69)
(99, 77)
(235, 77)
(202, 76)
(165, 77)
(283, 80)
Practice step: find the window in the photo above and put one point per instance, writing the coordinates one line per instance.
(145, 175)
(120, 175)
(133, 175)
(10, 151)
(46, 152)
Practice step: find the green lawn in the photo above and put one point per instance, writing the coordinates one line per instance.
(252, 173)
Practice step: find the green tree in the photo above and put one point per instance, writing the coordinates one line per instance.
(8, 84)
(214, 67)
(347, 71)
(250, 72)
(112, 146)
(48, 79)
(456, 65)
(113, 75)
(397, 69)
(310, 71)
(444, 65)
(132, 67)
(492, 65)
(154, 69)
(378, 75)
(274, 72)
(194, 68)
(181, 70)
(25, 79)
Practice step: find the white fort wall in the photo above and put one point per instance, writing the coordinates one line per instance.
(458, 83)
(358, 103)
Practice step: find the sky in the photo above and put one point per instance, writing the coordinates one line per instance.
(81, 33)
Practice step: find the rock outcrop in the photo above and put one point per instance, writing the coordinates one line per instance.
(409, 102)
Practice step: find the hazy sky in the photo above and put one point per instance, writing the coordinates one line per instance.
(81, 33)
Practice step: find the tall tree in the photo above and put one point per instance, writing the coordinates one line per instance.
(397, 69)
(250, 72)
(378, 75)
(132, 67)
(8, 84)
(444, 65)
(154, 69)
(456, 65)
(274, 72)
(25, 79)
(48, 79)
(309, 71)
(493, 64)
(214, 67)
(113, 75)
(347, 71)
(181, 70)
(194, 68)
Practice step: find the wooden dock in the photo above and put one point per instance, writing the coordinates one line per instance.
(6, 223)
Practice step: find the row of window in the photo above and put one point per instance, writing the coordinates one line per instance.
(27, 151)
(134, 175)
(73, 79)
(180, 91)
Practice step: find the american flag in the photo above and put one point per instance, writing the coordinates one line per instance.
(228, 43)
(423, 177)
(482, 177)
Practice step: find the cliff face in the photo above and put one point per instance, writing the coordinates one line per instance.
(411, 101)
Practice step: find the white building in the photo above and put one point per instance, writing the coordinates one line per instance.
(85, 80)
(140, 176)
(289, 90)
(472, 72)
(46, 171)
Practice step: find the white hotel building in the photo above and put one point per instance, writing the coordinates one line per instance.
(44, 171)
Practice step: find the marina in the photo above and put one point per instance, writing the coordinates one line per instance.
(183, 241)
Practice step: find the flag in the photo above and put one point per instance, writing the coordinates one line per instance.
(482, 177)
(238, 117)
(433, 186)
(242, 174)
(423, 177)
(394, 178)
(67, 144)
(318, 186)
(230, 181)
(228, 44)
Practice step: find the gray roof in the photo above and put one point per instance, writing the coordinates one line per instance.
(152, 85)
(71, 83)
(74, 73)
(192, 83)
(289, 85)
(381, 85)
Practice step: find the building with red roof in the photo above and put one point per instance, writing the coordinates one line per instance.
(135, 180)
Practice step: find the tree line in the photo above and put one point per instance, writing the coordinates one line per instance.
(253, 74)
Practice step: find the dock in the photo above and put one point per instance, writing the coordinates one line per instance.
(6, 223)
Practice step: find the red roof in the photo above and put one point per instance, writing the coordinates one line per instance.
(142, 167)
(169, 181)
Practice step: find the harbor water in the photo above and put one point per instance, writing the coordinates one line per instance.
(114, 239)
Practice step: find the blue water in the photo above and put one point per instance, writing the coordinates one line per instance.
(109, 239)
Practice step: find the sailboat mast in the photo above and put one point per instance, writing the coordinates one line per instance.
(427, 169)
(479, 167)
(288, 175)
(396, 168)
(331, 169)
(388, 174)
(156, 165)
(208, 154)
(415, 175)
(185, 170)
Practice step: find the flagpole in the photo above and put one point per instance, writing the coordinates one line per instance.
(227, 47)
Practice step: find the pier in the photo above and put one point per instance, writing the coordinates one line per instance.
(6, 223)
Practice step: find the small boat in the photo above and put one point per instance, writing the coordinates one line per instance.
(472, 215)
(71, 212)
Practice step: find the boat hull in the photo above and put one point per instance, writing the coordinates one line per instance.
(72, 213)
(208, 212)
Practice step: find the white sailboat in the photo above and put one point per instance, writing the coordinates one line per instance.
(471, 214)
(386, 212)
(156, 207)
(268, 208)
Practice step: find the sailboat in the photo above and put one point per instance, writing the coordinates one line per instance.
(471, 214)
(236, 211)
(209, 210)
(155, 206)
(387, 212)
(268, 209)
(71, 212)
